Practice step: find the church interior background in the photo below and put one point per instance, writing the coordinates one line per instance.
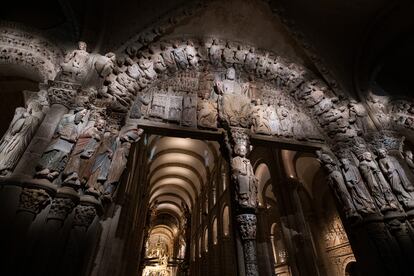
(238, 137)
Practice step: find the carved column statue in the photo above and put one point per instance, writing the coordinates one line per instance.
(128, 134)
(360, 196)
(246, 197)
(338, 185)
(400, 184)
(22, 127)
(56, 155)
(380, 190)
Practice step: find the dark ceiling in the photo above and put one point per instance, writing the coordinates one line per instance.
(360, 40)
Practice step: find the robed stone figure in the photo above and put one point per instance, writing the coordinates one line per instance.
(377, 184)
(55, 157)
(243, 175)
(233, 99)
(78, 169)
(18, 135)
(102, 162)
(338, 185)
(356, 187)
(397, 178)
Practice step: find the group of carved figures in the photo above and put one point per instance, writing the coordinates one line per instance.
(381, 184)
(87, 152)
(232, 102)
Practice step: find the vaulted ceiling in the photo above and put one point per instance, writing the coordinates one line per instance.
(179, 170)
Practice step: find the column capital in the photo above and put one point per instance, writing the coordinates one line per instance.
(33, 200)
(247, 225)
(63, 93)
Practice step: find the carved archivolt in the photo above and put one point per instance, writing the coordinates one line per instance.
(38, 58)
(166, 77)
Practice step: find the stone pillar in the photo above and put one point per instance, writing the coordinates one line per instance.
(36, 194)
(72, 260)
(246, 198)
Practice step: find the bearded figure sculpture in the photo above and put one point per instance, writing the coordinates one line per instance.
(234, 104)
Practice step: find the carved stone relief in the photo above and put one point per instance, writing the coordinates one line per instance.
(76, 65)
(29, 50)
(60, 208)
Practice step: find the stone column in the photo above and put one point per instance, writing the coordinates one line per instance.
(36, 194)
(247, 227)
(246, 198)
(72, 260)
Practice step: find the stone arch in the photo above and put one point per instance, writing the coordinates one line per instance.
(308, 95)
(225, 218)
(348, 266)
(214, 231)
(26, 53)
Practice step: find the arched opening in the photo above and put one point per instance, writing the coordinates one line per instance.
(226, 221)
(215, 240)
(351, 269)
